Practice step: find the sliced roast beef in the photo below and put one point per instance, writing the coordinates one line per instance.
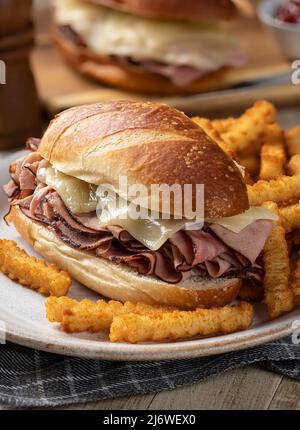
(77, 239)
(39, 196)
(33, 144)
(91, 222)
(182, 249)
(179, 75)
(217, 267)
(25, 173)
(25, 202)
(63, 213)
(214, 249)
(11, 189)
(72, 35)
(146, 263)
(125, 238)
(88, 220)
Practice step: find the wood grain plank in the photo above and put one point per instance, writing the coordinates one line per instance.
(287, 395)
(246, 388)
(122, 403)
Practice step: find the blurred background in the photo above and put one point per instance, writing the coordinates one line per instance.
(207, 58)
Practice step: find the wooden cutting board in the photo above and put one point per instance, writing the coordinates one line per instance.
(60, 87)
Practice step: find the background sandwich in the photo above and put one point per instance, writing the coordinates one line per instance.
(53, 206)
(163, 47)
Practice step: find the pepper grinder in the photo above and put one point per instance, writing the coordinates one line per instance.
(20, 111)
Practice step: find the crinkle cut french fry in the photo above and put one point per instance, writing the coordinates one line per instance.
(207, 126)
(295, 282)
(293, 166)
(290, 217)
(181, 324)
(292, 138)
(278, 294)
(272, 161)
(273, 156)
(56, 306)
(93, 316)
(251, 164)
(223, 124)
(250, 127)
(47, 279)
(273, 134)
(276, 190)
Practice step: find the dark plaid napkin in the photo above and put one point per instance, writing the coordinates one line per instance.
(33, 378)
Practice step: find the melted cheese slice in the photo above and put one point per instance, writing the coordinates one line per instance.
(78, 196)
(110, 32)
(238, 222)
(152, 232)
(81, 197)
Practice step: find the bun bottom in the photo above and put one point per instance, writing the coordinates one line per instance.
(131, 78)
(118, 281)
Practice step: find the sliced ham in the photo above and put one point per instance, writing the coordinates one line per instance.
(206, 246)
(249, 242)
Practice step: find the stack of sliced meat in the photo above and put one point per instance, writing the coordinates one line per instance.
(214, 250)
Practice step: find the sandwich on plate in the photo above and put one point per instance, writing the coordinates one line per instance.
(152, 46)
(69, 198)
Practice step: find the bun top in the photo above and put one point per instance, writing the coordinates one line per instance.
(149, 143)
(196, 10)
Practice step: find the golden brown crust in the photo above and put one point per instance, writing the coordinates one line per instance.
(148, 143)
(131, 78)
(196, 10)
(119, 282)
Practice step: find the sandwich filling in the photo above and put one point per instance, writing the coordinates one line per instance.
(181, 51)
(229, 247)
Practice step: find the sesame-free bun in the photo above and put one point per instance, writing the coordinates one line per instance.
(109, 71)
(196, 10)
(148, 143)
(119, 282)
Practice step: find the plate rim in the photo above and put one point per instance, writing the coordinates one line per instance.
(192, 348)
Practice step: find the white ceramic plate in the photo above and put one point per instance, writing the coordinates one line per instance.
(22, 311)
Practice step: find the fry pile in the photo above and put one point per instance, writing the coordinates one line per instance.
(271, 157)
